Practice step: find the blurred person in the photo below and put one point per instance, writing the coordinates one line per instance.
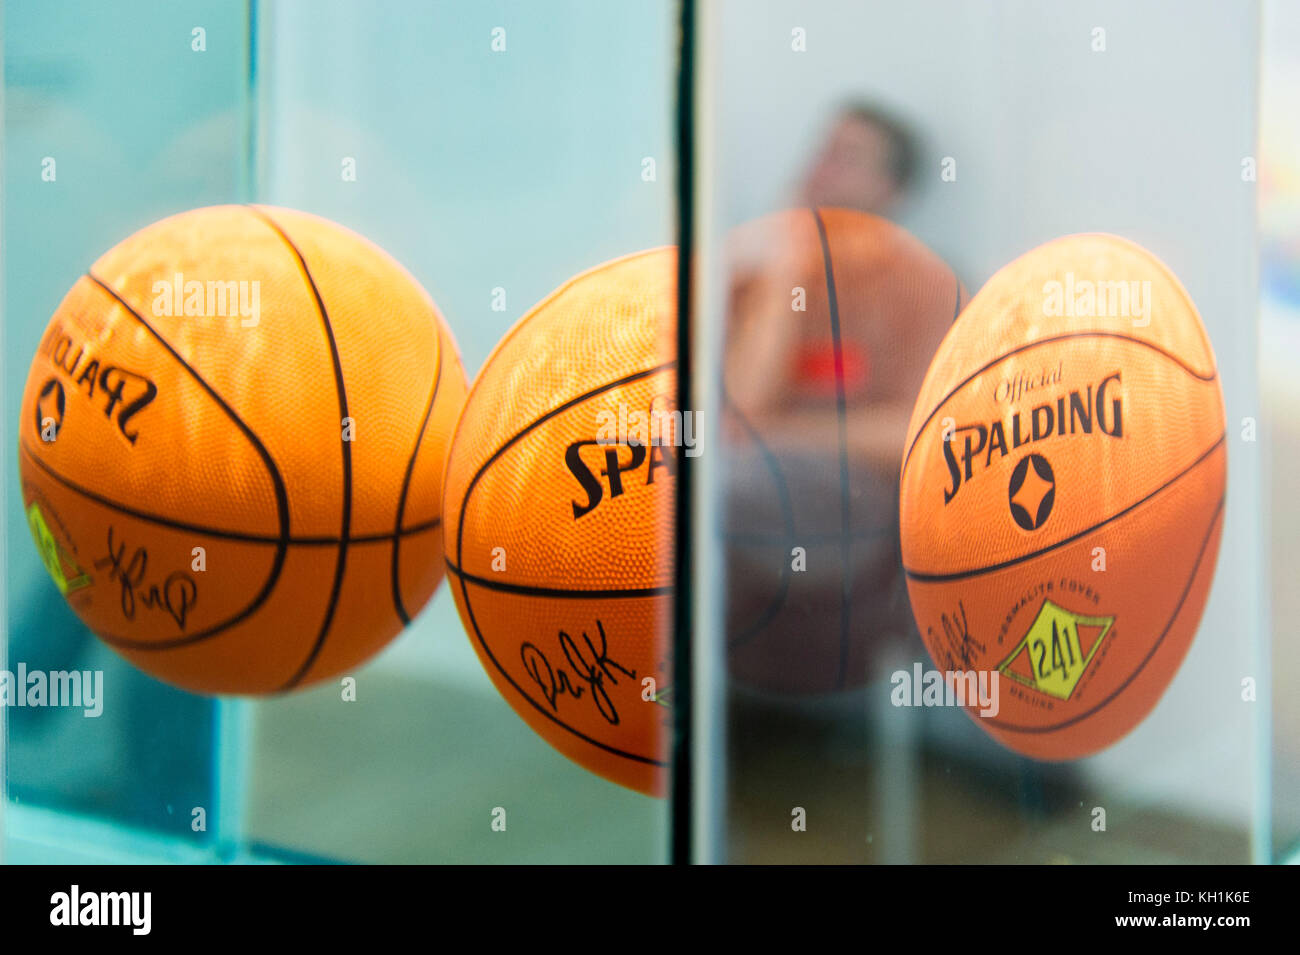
(816, 406)
(867, 162)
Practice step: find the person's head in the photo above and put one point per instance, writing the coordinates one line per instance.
(867, 162)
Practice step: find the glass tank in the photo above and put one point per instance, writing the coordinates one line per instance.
(742, 431)
(495, 153)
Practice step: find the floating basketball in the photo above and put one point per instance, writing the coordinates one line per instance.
(1063, 490)
(231, 448)
(840, 312)
(559, 516)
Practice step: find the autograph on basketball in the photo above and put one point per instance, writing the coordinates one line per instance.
(176, 595)
(590, 669)
(957, 631)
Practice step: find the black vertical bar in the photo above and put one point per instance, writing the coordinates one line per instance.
(683, 604)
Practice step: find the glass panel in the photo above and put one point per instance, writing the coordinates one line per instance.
(869, 173)
(497, 153)
(91, 155)
(1279, 344)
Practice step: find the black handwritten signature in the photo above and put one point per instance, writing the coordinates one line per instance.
(591, 666)
(177, 594)
(957, 631)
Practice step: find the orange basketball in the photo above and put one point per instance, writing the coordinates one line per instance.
(560, 519)
(231, 446)
(1062, 492)
(816, 414)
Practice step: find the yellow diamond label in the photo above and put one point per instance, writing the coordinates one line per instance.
(1053, 655)
(67, 575)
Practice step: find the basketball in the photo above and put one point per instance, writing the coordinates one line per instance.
(559, 517)
(231, 448)
(833, 319)
(1062, 493)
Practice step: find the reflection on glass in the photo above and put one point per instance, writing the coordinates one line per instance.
(856, 215)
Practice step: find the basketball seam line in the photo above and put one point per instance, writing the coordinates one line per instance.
(842, 422)
(529, 590)
(410, 473)
(787, 514)
(216, 532)
(1178, 608)
(1034, 344)
(979, 571)
(277, 481)
(464, 589)
(340, 564)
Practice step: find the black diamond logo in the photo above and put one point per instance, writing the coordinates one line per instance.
(1032, 492)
